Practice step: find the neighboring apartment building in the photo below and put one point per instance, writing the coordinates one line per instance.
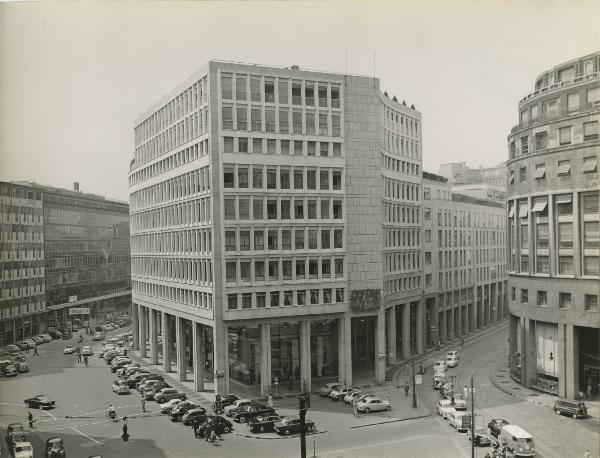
(60, 249)
(464, 243)
(458, 173)
(554, 234)
(275, 228)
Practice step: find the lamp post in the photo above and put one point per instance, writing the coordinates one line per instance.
(414, 392)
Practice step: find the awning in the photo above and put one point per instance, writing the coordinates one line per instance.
(511, 177)
(511, 212)
(564, 199)
(589, 165)
(539, 206)
(523, 211)
(540, 172)
(563, 169)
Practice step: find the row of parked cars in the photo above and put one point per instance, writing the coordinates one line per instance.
(364, 402)
(20, 447)
(12, 361)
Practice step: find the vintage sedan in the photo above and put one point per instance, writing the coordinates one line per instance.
(14, 433)
(40, 401)
(340, 393)
(21, 366)
(86, 351)
(495, 426)
(8, 369)
(120, 387)
(180, 409)
(69, 350)
(167, 394)
(460, 403)
(169, 405)
(246, 413)
(55, 448)
(460, 420)
(194, 415)
(263, 423)
(291, 425)
(445, 407)
(372, 403)
(328, 388)
(23, 450)
(220, 424)
(237, 405)
(352, 396)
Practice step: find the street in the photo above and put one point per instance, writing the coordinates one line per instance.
(83, 396)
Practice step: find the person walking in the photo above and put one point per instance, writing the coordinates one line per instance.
(355, 409)
(78, 354)
(85, 361)
(307, 399)
(406, 388)
(30, 419)
(207, 433)
(466, 391)
(270, 401)
(35, 351)
(143, 401)
(213, 436)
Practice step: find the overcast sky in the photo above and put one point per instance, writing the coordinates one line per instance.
(73, 77)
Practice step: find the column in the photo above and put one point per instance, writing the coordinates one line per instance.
(135, 327)
(153, 337)
(198, 352)
(420, 318)
(345, 350)
(451, 323)
(443, 326)
(459, 313)
(406, 350)
(561, 360)
(572, 358)
(166, 342)
(391, 335)
(576, 232)
(180, 343)
(380, 347)
(265, 360)
(142, 316)
(530, 352)
(319, 356)
(221, 376)
(305, 376)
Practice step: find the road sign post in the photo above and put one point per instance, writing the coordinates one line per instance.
(275, 382)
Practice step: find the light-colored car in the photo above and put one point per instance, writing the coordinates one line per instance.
(444, 407)
(23, 450)
(372, 404)
(98, 336)
(460, 403)
(352, 396)
(47, 337)
(120, 387)
(452, 360)
(69, 350)
(167, 394)
(86, 350)
(167, 406)
(32, 343)
(440, 365)
(459, 420)
(328, 388)
(340, 393)
(38, 340)
(237, 405)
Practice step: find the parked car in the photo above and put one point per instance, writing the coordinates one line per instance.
(575, 409)
(192, 415)
(21, 366)
(228, 399)
(372, 403)
(263, 423)
(121, 371)
(55, 334)
(247, 413)
(168, 393)
(340, 393)
(14, 433)
(237, 405)
(22, 345)
(8, 368)
(328, 388)
(517, 440)
(446, 390)
(220, 424)
(133, 380)
(86, 351)
(23, 450)
(150, 391)
(495, 425)
(69, 350)
(11, 348)
(438, 381)
(98, 336)
(460, 403)
(352, 396)
(41, 401)
(31, 343)
(179, 410)
(120, 387)
(55, 448)
(169, 405)
(444, 407)
(38, 340)
(452, 360)
(438, 365)
(47, 337)
(291, 425)
(460, 420)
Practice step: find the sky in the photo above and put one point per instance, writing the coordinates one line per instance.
(74, 76)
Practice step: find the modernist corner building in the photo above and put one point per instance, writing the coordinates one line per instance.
(276, 229)
(60, 249)
(553, 231)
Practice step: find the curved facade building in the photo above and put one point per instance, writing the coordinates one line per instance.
(553, 213)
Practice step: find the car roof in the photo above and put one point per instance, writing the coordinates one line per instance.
(517, 431)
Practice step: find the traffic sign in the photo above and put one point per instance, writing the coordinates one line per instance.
(419, 379)
(275, 381)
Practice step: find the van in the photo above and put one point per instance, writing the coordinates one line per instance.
(575, 409)
(518, 441)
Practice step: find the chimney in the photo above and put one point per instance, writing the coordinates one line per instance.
(76, 186)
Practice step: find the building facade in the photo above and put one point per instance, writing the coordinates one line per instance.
(464, 243)
(60, 249)
(275, 228)
(458, 173)
(553, 231)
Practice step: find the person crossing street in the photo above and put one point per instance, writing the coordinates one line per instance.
(35, 351)
(406, 388)
(30, 419)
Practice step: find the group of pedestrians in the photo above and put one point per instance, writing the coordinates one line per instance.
(206, 432)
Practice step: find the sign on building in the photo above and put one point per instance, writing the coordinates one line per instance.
(79, 311)
(72, 298)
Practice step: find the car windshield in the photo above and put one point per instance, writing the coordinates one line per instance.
(23, 448)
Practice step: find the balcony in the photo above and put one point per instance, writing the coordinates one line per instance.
(559, 85)
(564, 112)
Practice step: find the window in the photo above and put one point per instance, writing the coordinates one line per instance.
(324, 209)
(591, 235)
(286, 239)
(283, 92)
(590, 131)
(542, 298)
(564, 168)
(244, 240)
(337, 180)
(314, 296)
(541, 141)
(271, 178)
(272, 209)
(313, 268)
(311, 179)
(543, 265)
(228, 144)
(524, 263)
(427, 258)
(242, 118)
(260, 300)
(513, 293)
(228, 177)
(522, 174)
(335, 96)
(312, 239)
(274, 298)
(257, 146)
(298, 179)
(564, 204)
(564, 300)
(285, 209)
(230, 241)
(273, 240)
(229, 209)
(524, 296)
(325, 238)
(227, 117)
(226, 87)
(259, 270)
(524, 145)
(534, 113)
(269, 89)
(573, 102)
(273, 270)
(257, 208)
(540, 171)
(242, 145)
(339, 267)
(427, 279)
(593, 95)
(324, 180)
(300, 269)
(259, 239)
(244, 208)
(231, 271)
(301, 297)
(312, 209)
(299, 239)
(591, 265)
(242, 177)
(564, 135)
(589, 164)
(232, 301)
(426, 194)
(311, 148)
(241, 88)
(550, 108)
(565, 235)
(337, 238)
(326, 268)
(337, 209)
(337, 150)
(590, 203)
(286, 269)
(426, 214)
(245, 270)
(591, 302)
(565, 265)
(543, 235)
(257, 177)
(271, 146)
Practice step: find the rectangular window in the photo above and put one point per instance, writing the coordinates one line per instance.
(564, 135)
(324, 180)
(257, 146)
(274, 298)
(241, 90)
(427, 258)
(257, 208)
(336, 129)
(255, 89)
(325, 238)
(324, 209)
(285, 209)
(297, 121)
(326, 268)
(591, 302)
(271, 209)
(339, 295)
(245, 270)
(311, 179)
(337, 180)
(257, 177)
(286, 269)
(314, 296)
(564, 204)
(573, 102)
(337, 238)
(242, 177)
(284, 178)
(312, 239)
(227, 117)
(564, 168)
(524, 145)
(271, 178)
(590, 131)
(259, 239)
(301, 297)
(231, 271)
(337, 209)
(232, 301)
(284, 121)
(256, 119)
(228, 177)
(226, 87)
(564, 300)
(591, 235)
(244, 208)
(543, 265)
(524, 263)
(242, 118)
(300, 269)
(259, 270)
(543, 235)
(244, 240)
(299, 239)
(271, 146)
(270, 120)
(298, 179)
(591, 265)
(260, 300)
(242, 145)
(591, 203)
(524, 296)
(565, 235)
(427, 235)
(311, 148)
(285, 147)
(283, 91)
(542, 298)
(593, 96)
(550, 108)
(229, 209)
(540, 171)
(513, 293)
(589, 164)
(296, 93)
(273, 270)
(269, 91)
(230, 241)
(565, 265)
(522, 174)
(313, 268)
(310, 123)
(337, 150)
(273, 240)
(335, 96)
(286, 239)
(312, 209)
(298, 209)
(541, 141)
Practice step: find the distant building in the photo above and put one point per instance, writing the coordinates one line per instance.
(484, 191)
(464, 244)
(60, 249)
(458, 173)
(554, 231)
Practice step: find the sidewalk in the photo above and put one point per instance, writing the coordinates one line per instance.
(502, 380)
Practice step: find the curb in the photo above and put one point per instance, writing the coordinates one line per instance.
(291, 436)
(391, 421)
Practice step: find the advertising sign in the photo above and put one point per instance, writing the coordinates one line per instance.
(79, 311)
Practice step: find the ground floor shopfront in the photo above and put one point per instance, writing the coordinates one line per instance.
(15, 329)
(558, 358)
(272, 356)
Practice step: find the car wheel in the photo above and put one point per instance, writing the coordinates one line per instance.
(262, 429)
(388, 408)
(309, 428)
(575, 415)
(367, 410)
(286, 432)
(558, 412)
(243, 420)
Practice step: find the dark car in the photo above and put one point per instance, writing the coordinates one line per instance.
(220, 424)
(194, 415)
(14, 433)
(55, 334)
(495, 425)
(263, 423)
(575, 409)
(120, 364)
(291, 425)
(249, 412)
(181, 408)
(135, 379)
(228, 399)
(55, 448)
(67, 336)
(9, 370)
(22, 345)
(151, 377)
(151, 390)
(40, 401)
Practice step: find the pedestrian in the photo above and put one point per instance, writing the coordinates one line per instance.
(143, 401)
(307, 399)
(355, 409)
(125, 428)
(30, 419)
(466, 391)
(389, 397)
(207, 433)
(85, 361)
(406, 388)
(195, 427)
(35, 352)
(589, 389)
(462, 341)
(270, 401)
(213, 436)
